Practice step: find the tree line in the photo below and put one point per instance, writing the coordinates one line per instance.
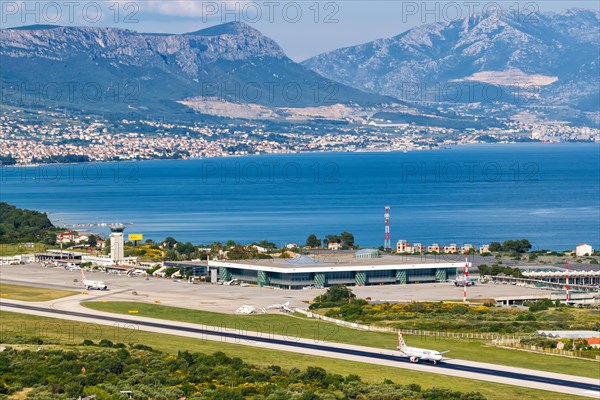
(494, 270)
(175, 250)
(345, 239)
(511, 246)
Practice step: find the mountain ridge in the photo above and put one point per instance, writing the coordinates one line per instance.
(553, 62)
(564, 45)
(233, 62)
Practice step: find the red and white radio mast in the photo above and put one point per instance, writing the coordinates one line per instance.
(387, 243)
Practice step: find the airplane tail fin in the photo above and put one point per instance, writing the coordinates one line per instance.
(401, 343)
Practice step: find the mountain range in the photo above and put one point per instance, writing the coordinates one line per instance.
(232, 70)
(117, 70)
(554, 58)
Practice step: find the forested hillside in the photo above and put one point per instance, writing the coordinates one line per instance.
(18, 225)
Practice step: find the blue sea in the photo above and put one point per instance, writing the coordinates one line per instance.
(547, 193)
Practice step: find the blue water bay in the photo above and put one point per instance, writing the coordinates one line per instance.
(475, 194)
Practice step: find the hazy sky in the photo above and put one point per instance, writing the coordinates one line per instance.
(302, 28)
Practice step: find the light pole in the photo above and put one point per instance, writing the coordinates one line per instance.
(466, 274)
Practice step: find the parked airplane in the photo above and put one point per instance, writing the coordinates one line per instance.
(137, 272)
(461, 282)
(283, 307)
(415, 354)
(92, 284)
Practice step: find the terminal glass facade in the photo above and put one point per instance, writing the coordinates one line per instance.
(191, 269)
(244, 275)
(421, 275)
(291, 281)
(377, 277)
(299, 280)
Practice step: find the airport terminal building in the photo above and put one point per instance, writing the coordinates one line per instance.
(304, 271)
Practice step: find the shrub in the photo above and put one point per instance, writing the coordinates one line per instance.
(539, 305)
(314, 374)
(335, 296)
(141, 347)
(105, 343)
(526, 316)
(540, 341)
(414, 387)
(28, 340)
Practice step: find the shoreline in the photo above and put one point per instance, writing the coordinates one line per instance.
(215, 157)
(363, 151)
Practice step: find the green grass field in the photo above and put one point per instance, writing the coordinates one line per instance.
(28, 293)
(8, 250)
(56, 331)
(474, 350)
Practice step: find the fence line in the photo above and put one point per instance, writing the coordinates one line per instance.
(512, 342)
(419, 332)
(542, 350)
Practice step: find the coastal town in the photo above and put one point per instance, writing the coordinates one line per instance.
(31, 139)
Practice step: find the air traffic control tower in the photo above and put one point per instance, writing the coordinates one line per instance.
(117, 243)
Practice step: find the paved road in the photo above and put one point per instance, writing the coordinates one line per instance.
(70, 309)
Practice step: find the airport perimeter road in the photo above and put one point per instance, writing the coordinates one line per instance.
(70, 309)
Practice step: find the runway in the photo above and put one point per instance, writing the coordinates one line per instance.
(70, 309)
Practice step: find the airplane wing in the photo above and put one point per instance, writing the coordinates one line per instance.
(444, 352)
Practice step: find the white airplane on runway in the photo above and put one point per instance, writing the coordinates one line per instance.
(92, 284)
(415, 354)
